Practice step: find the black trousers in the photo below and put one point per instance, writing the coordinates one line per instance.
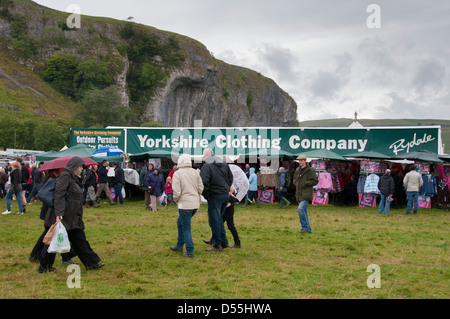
(228, 217)
(36, 251)
(79, 244)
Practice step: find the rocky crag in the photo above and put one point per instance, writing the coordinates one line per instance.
(199, 87)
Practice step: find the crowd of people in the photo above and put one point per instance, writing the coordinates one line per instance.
(79, 187)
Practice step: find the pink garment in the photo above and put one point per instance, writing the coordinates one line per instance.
(447, 180)
(325, 182)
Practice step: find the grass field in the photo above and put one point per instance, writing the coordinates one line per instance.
(275, 261)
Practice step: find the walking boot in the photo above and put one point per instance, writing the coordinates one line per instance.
(247, 202)
(285, 201)
(237, 244)
(257, 202)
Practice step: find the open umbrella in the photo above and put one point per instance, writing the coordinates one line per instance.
(107, 151)
(325, 154)
(240, 181)
(62, 162)
(422, 155)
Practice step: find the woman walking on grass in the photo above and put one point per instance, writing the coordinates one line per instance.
(187, 187)
(15, 189)
(68, 209)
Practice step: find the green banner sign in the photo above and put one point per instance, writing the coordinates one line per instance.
(274, 141)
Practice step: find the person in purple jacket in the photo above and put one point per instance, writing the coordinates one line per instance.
(154, 183)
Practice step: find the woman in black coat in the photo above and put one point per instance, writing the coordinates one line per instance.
(36, 251)
(68, 209)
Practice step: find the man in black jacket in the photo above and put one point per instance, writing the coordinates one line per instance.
(103, 183)
(386, 186)
(119, 181)
(217, 180)
(91, 186)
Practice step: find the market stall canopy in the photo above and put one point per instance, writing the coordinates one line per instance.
(270, 152)
(445, 158)
(324, 154)
(422, 156)
(80, 150)
(153, 153)
(368, 155)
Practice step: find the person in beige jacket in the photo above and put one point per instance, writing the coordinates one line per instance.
(412, 181)
(187, 187)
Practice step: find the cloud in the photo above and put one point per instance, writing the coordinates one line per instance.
(278, 59)
(429, 76)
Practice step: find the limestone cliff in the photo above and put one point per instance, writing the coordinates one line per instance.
(199, 88)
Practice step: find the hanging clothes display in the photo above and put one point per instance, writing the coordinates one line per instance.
(325, 182)
(371, 184)
(443, 195)
(361, 184)
(429, 185)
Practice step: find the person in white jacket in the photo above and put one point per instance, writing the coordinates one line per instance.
(187, 187)
(413, 182)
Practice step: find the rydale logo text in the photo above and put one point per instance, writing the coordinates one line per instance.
(402, 145)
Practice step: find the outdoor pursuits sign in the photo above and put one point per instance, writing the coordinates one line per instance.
(265, 141)
(97, 138)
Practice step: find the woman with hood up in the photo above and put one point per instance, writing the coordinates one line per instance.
(155, 185)
(68, 209)
(252, 188)
(187, 187)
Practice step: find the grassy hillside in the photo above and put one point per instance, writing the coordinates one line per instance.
(27, 95)
(343, 122)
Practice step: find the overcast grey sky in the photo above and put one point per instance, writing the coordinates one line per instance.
(333, 57)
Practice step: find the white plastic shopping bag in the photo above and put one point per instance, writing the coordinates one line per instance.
(163, 199)
(60, 241)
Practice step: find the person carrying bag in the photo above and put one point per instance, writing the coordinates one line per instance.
(60, 240)
(68, 209)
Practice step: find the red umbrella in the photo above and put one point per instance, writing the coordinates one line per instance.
(62, 162)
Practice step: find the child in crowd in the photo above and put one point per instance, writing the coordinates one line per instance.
(169, 191)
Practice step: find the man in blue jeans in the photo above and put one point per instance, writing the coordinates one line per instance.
(217, 180)
(305, 179)
(412, 181)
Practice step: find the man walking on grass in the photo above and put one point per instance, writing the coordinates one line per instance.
(305, 179)
(217, 180)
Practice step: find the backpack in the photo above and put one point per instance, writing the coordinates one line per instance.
(47, 191)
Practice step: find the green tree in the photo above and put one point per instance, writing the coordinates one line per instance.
(102, 107)
(49, 137)
(92, 74)
(60, 72)
(150, 76)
